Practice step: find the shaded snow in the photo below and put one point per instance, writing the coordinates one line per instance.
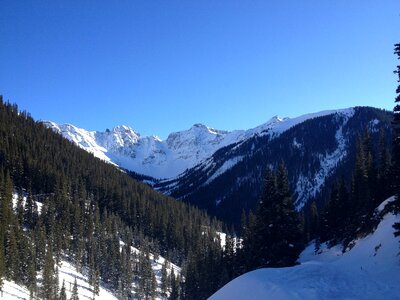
(370, 270)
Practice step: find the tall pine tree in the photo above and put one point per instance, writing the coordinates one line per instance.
(276, 237)
(396, 141)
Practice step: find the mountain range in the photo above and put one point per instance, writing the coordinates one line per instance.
(221, 171)
(182, 150)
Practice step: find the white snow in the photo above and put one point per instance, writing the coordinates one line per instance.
(307, 187)
(13, 291)
(225, 166)
(180, 151)
(370, 270)
(15, 202)
(382, 206)
(66, 272)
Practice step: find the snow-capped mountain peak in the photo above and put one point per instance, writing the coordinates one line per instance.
(119, 137)
(182, 150)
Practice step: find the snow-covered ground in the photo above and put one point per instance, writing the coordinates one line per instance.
(68, 273)
(180, 151)
(370, 270)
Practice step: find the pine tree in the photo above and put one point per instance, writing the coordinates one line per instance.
(174, 286)
(74, 294)
(147, 281)
(384, 179)
(289, 231)
(313, 222)
(229, 258)
(276, 237)
(12, 255)
(20, 209)
(49, 289)
(31, 268)
(30, 211)
(2, 267)
(396, 141)
(164, 280)
(63, 294)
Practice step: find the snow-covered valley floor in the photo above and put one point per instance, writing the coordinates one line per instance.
(370, 270)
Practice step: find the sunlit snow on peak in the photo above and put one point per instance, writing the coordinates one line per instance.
(180, 151)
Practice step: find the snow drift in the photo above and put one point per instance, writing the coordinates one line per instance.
(370, 270)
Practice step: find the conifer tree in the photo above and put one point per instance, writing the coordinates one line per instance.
(74, 294)
(2, 267)
(276, 237)
(164, 280)
(384, 179)
(20, 209)
(396, 141)
(147, 281)
(229, 257)
(31, 269)
(174, 295)
(63, 294)
(49, 289)
(30, 211)
(396, 130)
(12, 255)
(313, 222)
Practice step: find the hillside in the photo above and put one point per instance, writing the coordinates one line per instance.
(369, 270)
(80, 209)
(316, 152)
(67, 273)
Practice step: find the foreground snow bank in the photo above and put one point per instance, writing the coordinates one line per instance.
(370, 270)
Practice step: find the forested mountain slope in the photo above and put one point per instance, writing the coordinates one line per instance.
(88, 208)
(316, 152)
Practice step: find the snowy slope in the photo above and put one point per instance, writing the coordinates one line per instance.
(180, 151)
(68, 273)
(370, 270)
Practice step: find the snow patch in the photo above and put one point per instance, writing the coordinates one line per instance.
(225, 166)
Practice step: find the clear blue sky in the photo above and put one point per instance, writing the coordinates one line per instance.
(161, 66)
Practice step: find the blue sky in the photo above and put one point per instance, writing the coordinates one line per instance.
(161, 66)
